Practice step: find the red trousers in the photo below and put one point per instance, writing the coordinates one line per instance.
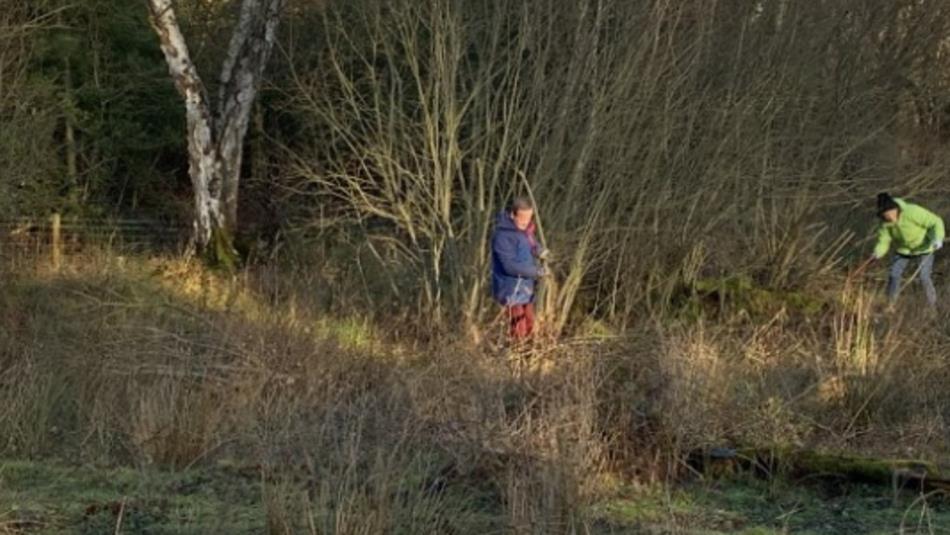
(520, 321)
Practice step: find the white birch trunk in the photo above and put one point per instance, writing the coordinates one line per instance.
(202, 159)
(251, 45)
(215, 142)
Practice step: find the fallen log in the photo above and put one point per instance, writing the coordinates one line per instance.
(908, 474)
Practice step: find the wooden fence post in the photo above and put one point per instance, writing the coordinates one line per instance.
(56, 240)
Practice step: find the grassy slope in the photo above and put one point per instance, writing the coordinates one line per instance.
(92, 329)
(171, 317)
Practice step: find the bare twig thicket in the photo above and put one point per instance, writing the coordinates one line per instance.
(664, 140)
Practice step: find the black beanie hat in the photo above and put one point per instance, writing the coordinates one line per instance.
(885, 202)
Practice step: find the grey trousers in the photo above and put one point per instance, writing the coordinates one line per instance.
(896, 273)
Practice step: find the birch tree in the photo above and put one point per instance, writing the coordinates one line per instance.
(216, 130)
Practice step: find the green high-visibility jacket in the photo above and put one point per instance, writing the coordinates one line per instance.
(916, 232)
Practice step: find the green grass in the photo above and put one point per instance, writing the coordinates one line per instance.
(764, 508)
(45, 498)
(48, 498)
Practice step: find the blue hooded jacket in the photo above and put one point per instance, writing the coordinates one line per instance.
(514, 267)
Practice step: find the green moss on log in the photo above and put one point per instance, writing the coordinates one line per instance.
(729, 295)
(903, 473)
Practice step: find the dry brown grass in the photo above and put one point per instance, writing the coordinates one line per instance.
(108, 365)
(115, 366)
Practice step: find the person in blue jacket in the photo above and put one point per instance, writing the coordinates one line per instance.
(516, 265)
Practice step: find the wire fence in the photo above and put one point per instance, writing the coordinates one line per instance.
(57, 237)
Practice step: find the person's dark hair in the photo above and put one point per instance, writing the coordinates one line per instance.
(518, 204)
(885, 203)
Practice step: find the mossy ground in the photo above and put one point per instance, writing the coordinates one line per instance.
(758, 507)
(46, 498)
(740, 293)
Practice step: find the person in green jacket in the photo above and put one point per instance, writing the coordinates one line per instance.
(917, 234)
